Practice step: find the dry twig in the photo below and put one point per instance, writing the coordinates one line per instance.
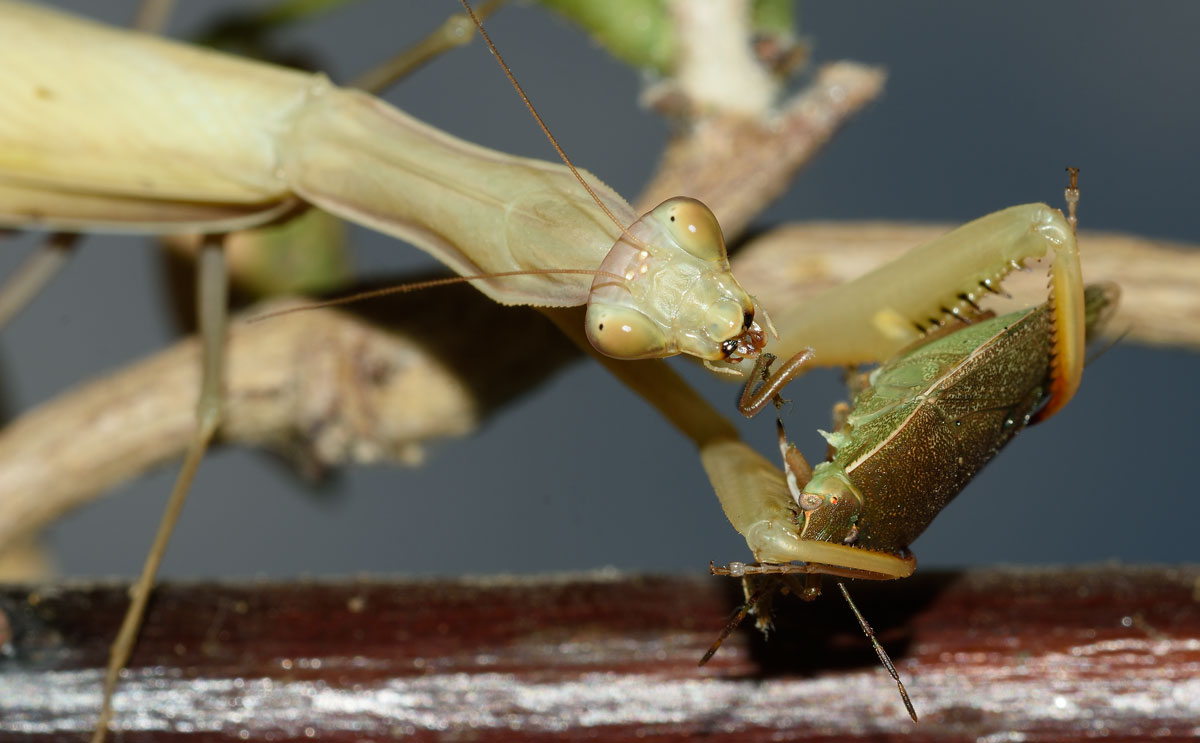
(738, 165)
(324, 387)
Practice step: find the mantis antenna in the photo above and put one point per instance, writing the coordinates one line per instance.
(545, 129)
(883, 656)
(430, 284)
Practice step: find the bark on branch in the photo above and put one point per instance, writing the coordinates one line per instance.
(322, 387)
(738, 165)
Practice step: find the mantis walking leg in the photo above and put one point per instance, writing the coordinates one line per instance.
(212, 312)
(38, 270)
(212, 303)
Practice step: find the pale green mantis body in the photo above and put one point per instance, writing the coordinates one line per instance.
(289, 135)
(265, 135)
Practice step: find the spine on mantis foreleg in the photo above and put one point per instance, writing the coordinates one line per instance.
(874, 317)
(929, 423)
(931, 419)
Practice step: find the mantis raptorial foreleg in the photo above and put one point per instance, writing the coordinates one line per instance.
(211, 305)
(872, 318)
(755, 494)
(917, 433)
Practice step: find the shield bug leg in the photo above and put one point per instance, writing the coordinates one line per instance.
(752, 604)
(758, 601)
(796, 468)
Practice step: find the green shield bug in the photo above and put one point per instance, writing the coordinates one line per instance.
(920, 427)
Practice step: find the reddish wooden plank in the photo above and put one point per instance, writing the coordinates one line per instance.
(994, 655)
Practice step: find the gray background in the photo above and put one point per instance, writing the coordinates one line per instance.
(985, 105)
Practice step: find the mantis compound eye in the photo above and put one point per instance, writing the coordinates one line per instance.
(624, 333)
(693, 227)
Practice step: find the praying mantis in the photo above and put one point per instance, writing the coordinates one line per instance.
(840, 187)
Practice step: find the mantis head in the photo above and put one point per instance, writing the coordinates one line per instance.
(677, 294)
